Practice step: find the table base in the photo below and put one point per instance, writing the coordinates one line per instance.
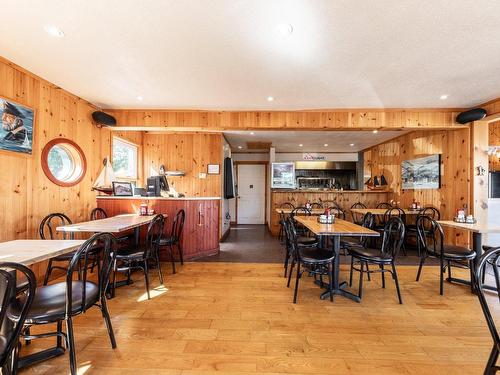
(43, 355)
(340, 292)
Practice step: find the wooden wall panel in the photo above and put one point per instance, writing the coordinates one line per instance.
(355, 119)
(494, 140)
(453, 145)
(190, 153)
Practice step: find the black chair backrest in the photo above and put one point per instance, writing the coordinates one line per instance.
(394, 233)
(178, 225)
(12, 275)
(367, 222)
(431, 212)
(330, 204)
(384, 205)
(287, 205)
(358, 205)
(291, 238)
(316, 205)
(98, 248)
(300, 211)
(49, 223)
(395, 212)
(430, 236)
(488, 259)
(98, 213)
(153, 236)
(338, 212)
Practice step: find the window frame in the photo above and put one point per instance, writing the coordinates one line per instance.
(61, 142)
(128, 143)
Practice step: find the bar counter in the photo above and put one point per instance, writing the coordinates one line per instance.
(345, 199)
(201, 228)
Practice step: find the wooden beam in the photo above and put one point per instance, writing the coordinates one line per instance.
(479, 170)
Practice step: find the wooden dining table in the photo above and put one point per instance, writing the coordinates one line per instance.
(381, 211)
(313, 211)
(336, 230)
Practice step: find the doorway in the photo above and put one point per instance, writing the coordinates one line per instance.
(251, 199)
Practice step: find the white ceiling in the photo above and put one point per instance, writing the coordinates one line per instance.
(227, 54)
(312, 141)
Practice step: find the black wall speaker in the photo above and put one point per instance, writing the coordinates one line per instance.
(103, 119)
(471, 115)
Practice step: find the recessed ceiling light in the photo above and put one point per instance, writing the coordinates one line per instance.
(270, 98)
(301, 145)
(139, 98)
(326, 145)
(252, 133)
(240, 147)
(352, 144)
(284, 29)
(375, 131)
(443, 97)
(53, 31)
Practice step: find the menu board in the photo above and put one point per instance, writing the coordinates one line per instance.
(283, 176)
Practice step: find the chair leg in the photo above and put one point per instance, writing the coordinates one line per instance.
(181, 253)
(285, 263)
(396, 281)
(441, 271)
(114, 279)
(449, 270)
(171, 249)
(422, 260)
(368, 272)
(383, 275)
(71, 345)
(107, 320)
(146, 276)
(59, 336)
(351, 272)
(360, 291)
(330, 280)
(492, 360)
(471, 270)
(47, 272)
(290, 273)
(160, 274)
(296, 291)
(497, 279)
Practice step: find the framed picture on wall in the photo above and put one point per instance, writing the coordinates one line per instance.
(283, 175)
(16, 127)
(421, 173)
(213, 169)
(122, 189)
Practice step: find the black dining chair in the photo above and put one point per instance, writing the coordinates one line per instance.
(357, 218)
(139, 257)
(489, 259)
(18, 282)
(61, 302)
(393, 236)
(495, 269)
(300, 211)
(346, 241)
(313, 260)
(338, 212)
(432, 245)
(99, 213)
(316, 205)
(174, 238)
(411, 229)
(47, 231)
(282, 217)
(330, 204)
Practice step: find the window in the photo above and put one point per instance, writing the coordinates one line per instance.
(124, 159)
(63, 162)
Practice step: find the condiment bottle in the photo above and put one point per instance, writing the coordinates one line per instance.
(143, 209)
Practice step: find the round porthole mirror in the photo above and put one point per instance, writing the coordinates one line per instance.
(63, 162)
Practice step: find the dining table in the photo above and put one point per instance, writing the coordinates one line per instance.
(29, 252)
(336, 230)
(382, 211)
(313, 211)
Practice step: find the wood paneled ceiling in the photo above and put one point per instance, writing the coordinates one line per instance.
(232, 55)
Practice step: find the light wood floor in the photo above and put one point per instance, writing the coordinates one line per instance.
(233, 318)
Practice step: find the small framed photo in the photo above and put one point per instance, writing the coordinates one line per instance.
(213, 169)
(122, 189)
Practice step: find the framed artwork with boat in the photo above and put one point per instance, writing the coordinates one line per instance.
(16, 127)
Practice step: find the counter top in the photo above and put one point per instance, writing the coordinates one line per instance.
(328, 191)
(160, 198)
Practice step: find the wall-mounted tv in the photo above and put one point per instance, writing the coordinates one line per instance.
(421, 173)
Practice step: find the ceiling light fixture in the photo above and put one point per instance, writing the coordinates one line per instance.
(252, 133)
(240, 147)
(139, 98)
(326, 145)
(443, 97)
(53, 31)
(300, 145)
(352, 144)
(270, 98)
(284, 29)
(375, 131)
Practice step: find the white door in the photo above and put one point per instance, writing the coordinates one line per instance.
(251, 194)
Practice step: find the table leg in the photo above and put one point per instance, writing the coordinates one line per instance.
(337, 286)
(137, 234)
(477, 246)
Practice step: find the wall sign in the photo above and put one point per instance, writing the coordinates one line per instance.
(312, 156)
(213, 169)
